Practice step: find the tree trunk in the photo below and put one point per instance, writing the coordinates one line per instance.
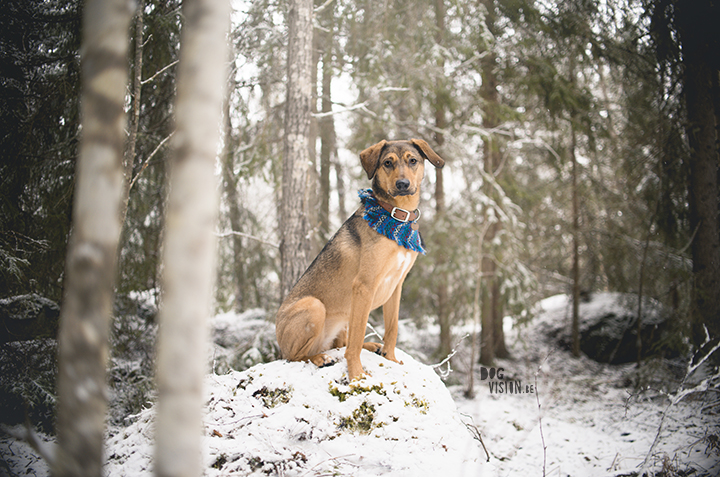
(443, 305)
(327, 123)
(492, 334)
(703, 181)
(190, 242)
(312, 189)
(90, 266)
(230, 187)
(129, 159)
(575, 331)
(501, 350)
(294, 205)
(487, 330)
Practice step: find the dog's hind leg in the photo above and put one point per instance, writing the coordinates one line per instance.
(301, 332)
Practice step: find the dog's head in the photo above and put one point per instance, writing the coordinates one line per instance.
(397, 167)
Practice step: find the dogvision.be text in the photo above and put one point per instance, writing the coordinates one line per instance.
(501, 386)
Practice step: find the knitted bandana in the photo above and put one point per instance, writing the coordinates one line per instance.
(381, 222)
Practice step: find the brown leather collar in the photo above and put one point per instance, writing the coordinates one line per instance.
(401, 215)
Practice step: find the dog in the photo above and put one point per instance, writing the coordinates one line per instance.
(361, 268)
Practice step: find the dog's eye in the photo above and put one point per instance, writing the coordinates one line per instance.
(388, 163)
(413, 161)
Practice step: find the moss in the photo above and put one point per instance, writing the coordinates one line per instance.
(355, 390)
(220, 462)
(421, 404)
(273, 397)
(362, 419)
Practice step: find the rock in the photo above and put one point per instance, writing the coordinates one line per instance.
(608, 325)
(28, 317)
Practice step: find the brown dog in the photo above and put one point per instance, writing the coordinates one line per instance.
(359, 269)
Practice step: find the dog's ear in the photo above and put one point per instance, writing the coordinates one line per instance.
(370, 158)
(429, 154)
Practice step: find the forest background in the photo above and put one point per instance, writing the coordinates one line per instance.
(581, 141)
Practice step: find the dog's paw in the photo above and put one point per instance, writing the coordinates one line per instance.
(390, 356)
(322, 360)
(373, 347)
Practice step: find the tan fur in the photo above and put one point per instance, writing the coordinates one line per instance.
(358, 270)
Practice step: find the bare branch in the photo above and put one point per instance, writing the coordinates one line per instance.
(159, 72)
(251, 237)
(322, 7)
(147, 161)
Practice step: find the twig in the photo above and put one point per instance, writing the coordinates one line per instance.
(476, 435)
(326, 114)
(448, 358)
(147, 161)
(373, 332)
(145, 81)
(241, 234)
(322, 7)
(537, 398)
(679, 396)
(312, 469)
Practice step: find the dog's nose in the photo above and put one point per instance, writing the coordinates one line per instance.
(402, 185)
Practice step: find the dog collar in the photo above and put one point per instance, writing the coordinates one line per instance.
(399, 225)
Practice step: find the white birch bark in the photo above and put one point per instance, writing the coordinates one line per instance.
(190, 245)
(294, 226)
(90, 265)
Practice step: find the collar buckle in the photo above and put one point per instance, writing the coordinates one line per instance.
(405, 215)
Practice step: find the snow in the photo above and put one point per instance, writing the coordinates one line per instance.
(296, 419)
(573, 417)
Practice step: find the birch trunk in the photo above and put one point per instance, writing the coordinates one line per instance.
(190, 243)
(294, 205)
(91, 259)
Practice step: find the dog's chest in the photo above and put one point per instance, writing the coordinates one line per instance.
(398, 267)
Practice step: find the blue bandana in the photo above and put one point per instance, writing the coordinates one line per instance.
(381, 222)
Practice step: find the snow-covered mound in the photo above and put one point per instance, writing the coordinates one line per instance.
(607, 324)
(284, 418)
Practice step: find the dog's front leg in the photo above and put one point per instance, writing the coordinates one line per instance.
(391, 311)
(359, 311)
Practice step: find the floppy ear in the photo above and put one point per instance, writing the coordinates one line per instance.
(428, 153)
(370, 158)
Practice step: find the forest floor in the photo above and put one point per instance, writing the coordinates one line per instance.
(549, 414)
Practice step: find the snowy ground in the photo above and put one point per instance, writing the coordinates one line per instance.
(573, 417)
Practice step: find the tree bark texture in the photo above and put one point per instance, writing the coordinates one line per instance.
(294, 227)
(190, 242)
(91, 260)
(695, 35)
(575, 327)
(492, 337)
(327, 123)
(441, 95)
(230, 187)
